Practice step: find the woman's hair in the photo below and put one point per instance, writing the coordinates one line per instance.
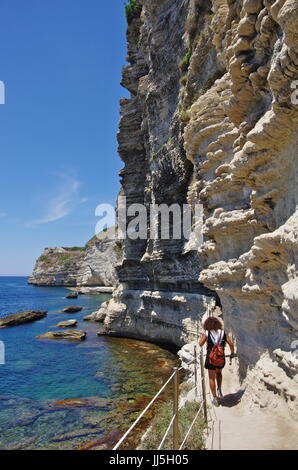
(212, 323)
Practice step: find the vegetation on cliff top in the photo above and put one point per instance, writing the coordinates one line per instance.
(133, 10)
(71, 254)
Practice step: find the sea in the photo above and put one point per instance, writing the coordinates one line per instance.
(59, 394)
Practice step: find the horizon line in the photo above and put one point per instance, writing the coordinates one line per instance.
(14, 275)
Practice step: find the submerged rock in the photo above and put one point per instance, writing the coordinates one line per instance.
(72, 309)
(72, 402)
(93, 402)
(72, 335)
(104, 443)
(88, 318)
(66, 324)
(19, 318)
(72, 295)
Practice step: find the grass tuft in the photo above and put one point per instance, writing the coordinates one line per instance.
(184, 63)
(195, 440)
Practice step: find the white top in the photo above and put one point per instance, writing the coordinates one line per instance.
(216, 335)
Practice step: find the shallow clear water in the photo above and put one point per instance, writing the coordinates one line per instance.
(114, 376)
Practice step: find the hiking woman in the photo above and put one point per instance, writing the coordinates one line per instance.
(215, 335)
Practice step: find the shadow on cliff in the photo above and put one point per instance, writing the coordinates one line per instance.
(231, 399)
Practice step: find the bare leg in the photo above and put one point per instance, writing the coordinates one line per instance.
(212, 374)
(219, 378)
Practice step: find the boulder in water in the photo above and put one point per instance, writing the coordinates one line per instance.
(72, 309)
(72, 295)
(71, 335)
(24, 316)
(66, 324)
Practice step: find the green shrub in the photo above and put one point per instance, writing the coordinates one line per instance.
(184, 64)
(184, 116)
(133, 10)
(43, 258)
(64, 258)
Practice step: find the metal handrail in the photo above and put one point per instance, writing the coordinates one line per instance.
(145, 410)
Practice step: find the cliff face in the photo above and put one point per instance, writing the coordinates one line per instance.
(160, 296)
(89, 266)
(242, 139)
(57, 267)
(211, 121)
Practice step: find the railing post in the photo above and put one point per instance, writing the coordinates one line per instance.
(176, 411)
(203, 386)
(196, 370)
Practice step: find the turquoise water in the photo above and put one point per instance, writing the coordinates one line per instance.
(41, 369)
(112, 375)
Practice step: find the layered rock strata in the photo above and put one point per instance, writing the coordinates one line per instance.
(212, 120)
(89, 266)
(242, 139)
(160, 297)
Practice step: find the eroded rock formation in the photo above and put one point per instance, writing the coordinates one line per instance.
(212, 120)
(242, 139)
(89, 266)
(160, 296)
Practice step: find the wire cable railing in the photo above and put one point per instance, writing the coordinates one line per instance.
(174, 422)
(145, 410)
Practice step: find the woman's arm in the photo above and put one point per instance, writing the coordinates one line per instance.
(231, 344)
(202, 339)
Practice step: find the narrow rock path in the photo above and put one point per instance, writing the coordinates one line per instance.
(235, 426)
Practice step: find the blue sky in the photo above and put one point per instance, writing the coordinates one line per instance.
(61, 64)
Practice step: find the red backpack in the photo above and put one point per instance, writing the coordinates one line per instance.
(217, 353)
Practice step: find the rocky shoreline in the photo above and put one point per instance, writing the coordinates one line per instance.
(133, 373)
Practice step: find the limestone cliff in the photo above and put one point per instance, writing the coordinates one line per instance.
(211, 121)
(89, 266)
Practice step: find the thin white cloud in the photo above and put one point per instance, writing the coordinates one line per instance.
(66, 199)
(2, 215)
